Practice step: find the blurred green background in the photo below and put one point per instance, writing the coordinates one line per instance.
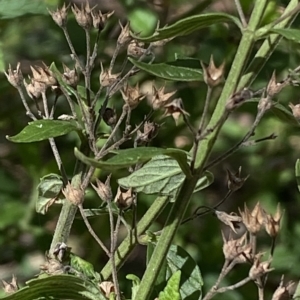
(28, 35)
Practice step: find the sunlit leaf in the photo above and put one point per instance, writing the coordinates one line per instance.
(135, 284)
(169, 71)
(162, 175)
(128, 157)
(290, 34)
(190, 24)
(171, 291)
(42, 130)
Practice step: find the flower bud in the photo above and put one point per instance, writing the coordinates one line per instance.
(110, 116)
(295, 110)
(160, 98)
(175, 109)
(11, 287)
(103, 189)
(132, 95)
(14, 77)
(124, 37)
(135, 48)
(106, 78)
(213, 75)
(124, 199)
(83, 16)
(74, 195)
(99, 19)
(60, 15)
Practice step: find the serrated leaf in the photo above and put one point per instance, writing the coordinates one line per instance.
(128, 157)
(61, 82)
(48, 190)
(17, 8)
(169, 71)
(171, 291)
(191, 280)
(290, 34)
(57, 287)
(297, 173)
(162, 175)
(190, 24)
(40, 130)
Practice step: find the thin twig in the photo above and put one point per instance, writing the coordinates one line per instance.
(45, 104)
(28, 111)
(91, 231)
(53, 107)
(75, 57)
(205, 109)
(241, 13)
(285, 16)
(234, 286)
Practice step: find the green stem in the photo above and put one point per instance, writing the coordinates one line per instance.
(266, 49)
(66, 218)
(130, 241)
(183, 198)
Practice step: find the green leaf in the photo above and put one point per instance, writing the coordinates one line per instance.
(16, 8)
(162, 175)
(49, 188)
(191, 280)
(297, 173)
(171, 291)
(188, 25)
(297, 292)
(61, 82)
(135, 284)
(170, 72)
(42, 130)
(82, 92)
(83, 267)
(57, 287)
(290, 34)
(128, 157)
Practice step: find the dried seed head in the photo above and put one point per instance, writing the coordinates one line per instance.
(14, 77)
(235, 181)
(99, 19)
(213, 76)
(150, 132)
(60, 16)
(272, 224)
(110, 116)
(175, 109)
(74, 195)
(275, 87)
(52, 267)
(160, 98)
(43, 75)
(34, 89)
(259, 268)
(295, 110)
(106, 78)
(285, 291)
(252, 220)
(107, 287)
(61, 251)
(264, 104)
(124, 37)
(124, 199)
(83, 16)
(10, 287)
(238, 99)
(238, 250)
(70, 77)
(132, 95)
(232, 221)
(136, 49)
(103, 189)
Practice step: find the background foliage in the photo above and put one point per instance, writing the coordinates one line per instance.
(29, 35)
